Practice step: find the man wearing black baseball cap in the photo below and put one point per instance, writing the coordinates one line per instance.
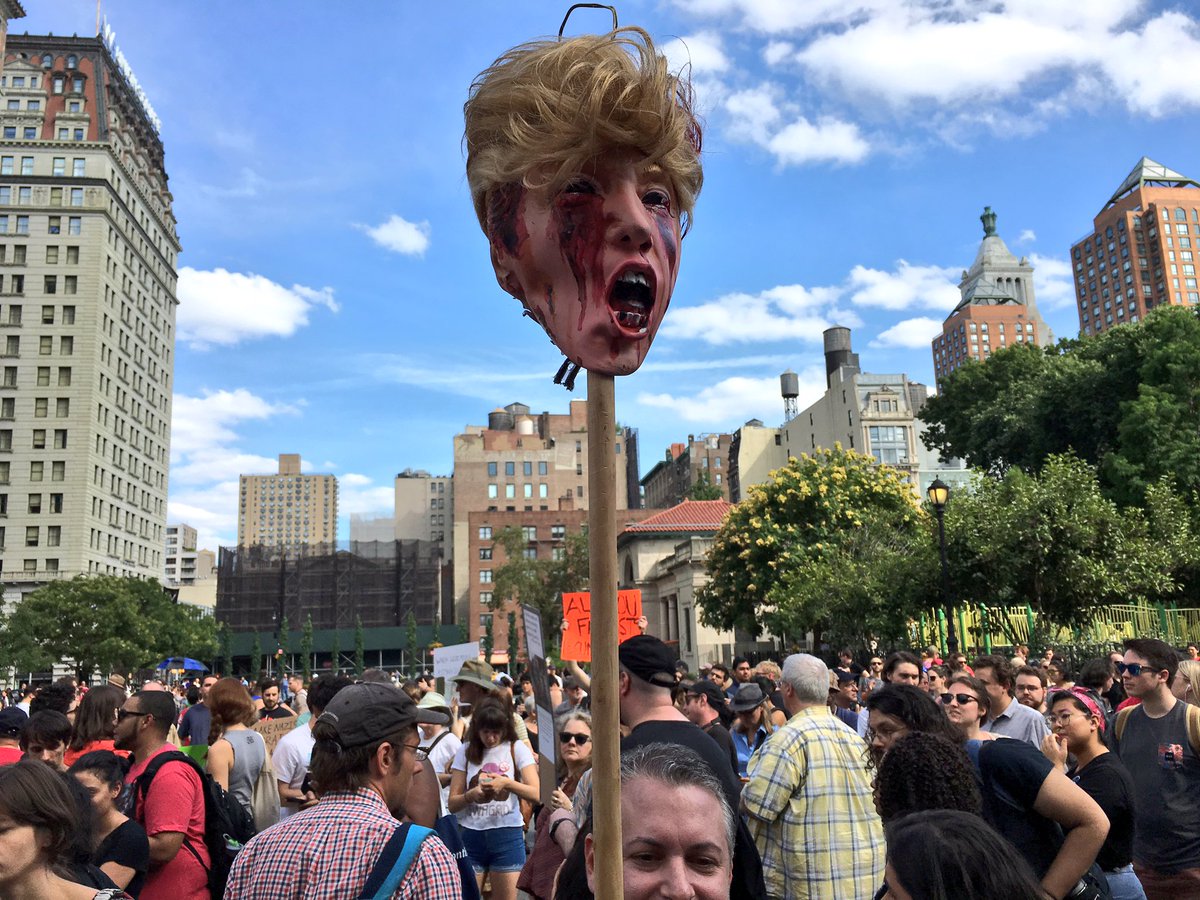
(364, 762)
(12, 720)
(705, 708)
(645, 681)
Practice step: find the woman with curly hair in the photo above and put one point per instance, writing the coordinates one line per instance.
(925, 771)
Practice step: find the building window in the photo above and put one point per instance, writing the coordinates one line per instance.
(74, 225)
(77, 196)
(62, 407)
(485, 599)
(37, 470)
(35, 503)
(530, 552)
(26, 165)
(485, 552)
(510, 469)
(542, 468)
(485, 576)
(558, 532)
(6, 165)
(527, 467)
(485, 533)
(41, 407)
(491, 491)
(510, 491)
(491, 470)
(527, 490)
(529, 532)
(78, 166)
(31, 536)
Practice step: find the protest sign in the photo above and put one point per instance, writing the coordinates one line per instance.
(274, 729)
(577, 622)
(547, 740)
(447, 661)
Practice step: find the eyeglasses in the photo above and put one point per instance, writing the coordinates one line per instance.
(123, 714)
(418, 751)
(961, 699)
(578, 737)
(1062, 721)
(1133, 669)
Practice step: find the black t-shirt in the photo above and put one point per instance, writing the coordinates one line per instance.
(1012, 773)
(1108, 783)
(277, 712)
(126, 845)
(747, 864)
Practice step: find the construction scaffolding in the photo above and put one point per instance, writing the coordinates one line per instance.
(377, 582)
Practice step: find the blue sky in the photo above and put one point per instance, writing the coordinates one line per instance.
(336, 295)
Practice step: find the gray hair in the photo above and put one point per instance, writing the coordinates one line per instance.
(808, 677)
(678, 766)
(575, 715)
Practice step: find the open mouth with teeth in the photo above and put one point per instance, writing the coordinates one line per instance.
(631, 299)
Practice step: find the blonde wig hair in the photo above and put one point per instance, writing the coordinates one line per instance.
(544, 109)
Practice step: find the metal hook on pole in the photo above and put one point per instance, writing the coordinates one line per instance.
(575, 6)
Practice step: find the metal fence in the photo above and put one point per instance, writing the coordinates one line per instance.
(982, 627)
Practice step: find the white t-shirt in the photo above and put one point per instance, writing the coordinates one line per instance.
(290, 759)
(442, 756)
(497, 761)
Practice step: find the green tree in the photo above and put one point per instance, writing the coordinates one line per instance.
(1126, 401)
(540, 583)
(335, 652)
(103, 622)
(464, 633)
(1054, 541)
(360, 654)
(704, 489)
(834, 543)
(256, 659)
(306, 647)
(410, 635)
(514, 643)
(489, 638)
(283, 646)
(225, 648)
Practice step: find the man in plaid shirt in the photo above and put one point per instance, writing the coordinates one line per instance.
(809, 799)
(363, 762)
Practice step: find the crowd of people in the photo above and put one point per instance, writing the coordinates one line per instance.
(901, 777)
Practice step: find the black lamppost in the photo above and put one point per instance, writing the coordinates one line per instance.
(939, 495)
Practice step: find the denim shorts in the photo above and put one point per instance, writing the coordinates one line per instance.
(495, 849)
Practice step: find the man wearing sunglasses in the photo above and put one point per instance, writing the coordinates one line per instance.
(1157, 741)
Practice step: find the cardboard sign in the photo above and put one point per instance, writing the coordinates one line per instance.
(447, 661)
(274, 729)
(577, 622)
(547, 739)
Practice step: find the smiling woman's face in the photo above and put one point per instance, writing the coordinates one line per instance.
(595, 263)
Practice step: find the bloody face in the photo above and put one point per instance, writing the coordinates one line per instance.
(595, 263)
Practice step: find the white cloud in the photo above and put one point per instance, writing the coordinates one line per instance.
(225, 308)
(1053, 282)
(827, 140)
(739, 318)
(359, 495)
(1027, 236)
(701, 51)
(732, 401)
(776, 52)
(913, 334)
(758, 115)
(930, 286)
(206, 459)
(400, 235)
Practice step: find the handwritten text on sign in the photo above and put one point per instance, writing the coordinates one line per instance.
(577, 622)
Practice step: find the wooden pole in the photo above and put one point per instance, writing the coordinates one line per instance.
(602, 577)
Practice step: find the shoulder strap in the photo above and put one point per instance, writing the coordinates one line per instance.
(147, 776)
(437, 740)
(512, 751)
(394, 862)
(1122, 721)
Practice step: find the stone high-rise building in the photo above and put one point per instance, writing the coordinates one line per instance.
(88, 251)
(288, 510)
(997, 309)
(522, 463)
(1140, 252)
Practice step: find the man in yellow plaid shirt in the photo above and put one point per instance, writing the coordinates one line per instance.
(809, 799)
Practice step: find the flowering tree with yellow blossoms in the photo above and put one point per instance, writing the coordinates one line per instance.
(834, 544)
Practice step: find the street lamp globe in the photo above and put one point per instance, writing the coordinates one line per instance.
(938, 493)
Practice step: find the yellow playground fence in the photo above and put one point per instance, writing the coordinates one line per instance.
(981, 627)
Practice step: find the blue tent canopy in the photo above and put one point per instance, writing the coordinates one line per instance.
(183, 662)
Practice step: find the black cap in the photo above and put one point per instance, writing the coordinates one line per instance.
(364, 713)
(649, 659)
(12, 720)
(845, 675)
(716, 696)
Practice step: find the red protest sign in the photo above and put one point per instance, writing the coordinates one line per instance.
(577, 622)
